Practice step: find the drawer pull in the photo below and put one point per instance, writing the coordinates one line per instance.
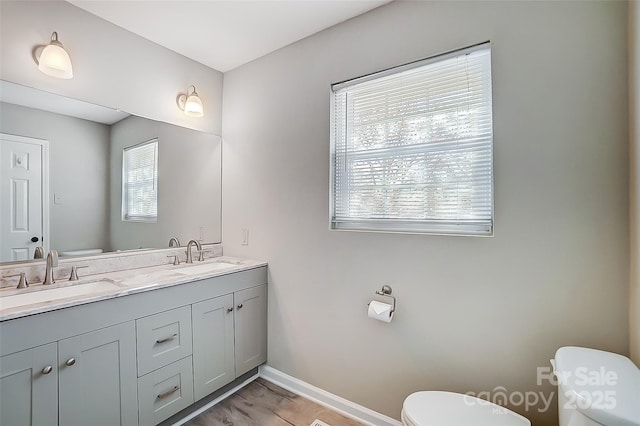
(169, 392)
(48, 369)
(229, 310)
(240, 306)
(70, 362)
(166, 339)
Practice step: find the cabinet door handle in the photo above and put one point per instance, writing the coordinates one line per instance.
(240, 306)
(167, 393)
(230, 309)
(70, 361)
(166, 339)
(48, 369)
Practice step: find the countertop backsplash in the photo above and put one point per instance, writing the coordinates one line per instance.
(99, 264)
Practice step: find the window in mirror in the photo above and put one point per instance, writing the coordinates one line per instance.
(140, 182)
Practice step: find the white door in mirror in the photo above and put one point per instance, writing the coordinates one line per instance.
(21, 188)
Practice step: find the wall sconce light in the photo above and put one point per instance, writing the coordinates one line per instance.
(191, 103)
(53, 60)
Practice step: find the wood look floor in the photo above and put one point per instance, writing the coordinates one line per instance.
(261, 403)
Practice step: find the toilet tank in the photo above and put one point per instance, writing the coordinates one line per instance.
(83, 252)
(596, 388)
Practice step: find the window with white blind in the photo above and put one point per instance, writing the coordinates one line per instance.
(411, 147)
(140, 182)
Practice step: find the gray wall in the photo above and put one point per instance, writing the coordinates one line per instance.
(634, 123)
(473, 313)
(189, 185)
(112, 67)
(79, 173)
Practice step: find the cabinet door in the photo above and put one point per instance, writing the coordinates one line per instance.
(250, 328)
(212, 344)
(29, 387)
(97, 375)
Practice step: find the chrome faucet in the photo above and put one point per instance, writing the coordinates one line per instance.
(38, 253)
(199, 246)
(174, 242)
(23, 283)
(52, 262)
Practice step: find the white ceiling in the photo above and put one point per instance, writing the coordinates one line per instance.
(224, 34)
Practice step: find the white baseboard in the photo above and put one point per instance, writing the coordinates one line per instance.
(326, 399)
(217, 400)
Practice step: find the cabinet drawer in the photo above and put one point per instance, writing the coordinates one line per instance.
(164, 392)
(163, 338)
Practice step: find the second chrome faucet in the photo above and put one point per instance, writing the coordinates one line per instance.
(52, 262)
(200, 252)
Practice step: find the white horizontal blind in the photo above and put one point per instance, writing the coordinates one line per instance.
(412, 147)
(140, 182)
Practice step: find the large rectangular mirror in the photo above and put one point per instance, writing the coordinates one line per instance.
(63, 186)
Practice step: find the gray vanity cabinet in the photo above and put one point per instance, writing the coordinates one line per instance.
(97, 375)
(131, 360)
(250, 328)
(213, 344)
(29, 387)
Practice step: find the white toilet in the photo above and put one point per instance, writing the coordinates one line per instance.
(437, 408)
(596, 388)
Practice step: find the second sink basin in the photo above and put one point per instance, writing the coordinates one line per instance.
(55, 293)
(204, 268)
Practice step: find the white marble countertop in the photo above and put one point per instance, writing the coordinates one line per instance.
(116, 284)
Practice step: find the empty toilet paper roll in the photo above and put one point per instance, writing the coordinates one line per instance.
(380, 311)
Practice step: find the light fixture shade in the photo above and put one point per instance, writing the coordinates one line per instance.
(54, 60)
(193, 106)
(191, 103)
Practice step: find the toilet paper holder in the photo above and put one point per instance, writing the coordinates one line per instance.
(386, 292)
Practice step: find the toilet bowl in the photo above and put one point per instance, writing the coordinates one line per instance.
(438, 408)
(596, 388)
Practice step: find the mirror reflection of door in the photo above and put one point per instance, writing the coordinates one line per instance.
(22, 192)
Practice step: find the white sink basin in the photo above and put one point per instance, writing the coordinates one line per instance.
(55, 293)
(204, 268)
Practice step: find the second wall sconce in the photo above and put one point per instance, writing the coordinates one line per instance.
(53, 60)
(191, 103)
